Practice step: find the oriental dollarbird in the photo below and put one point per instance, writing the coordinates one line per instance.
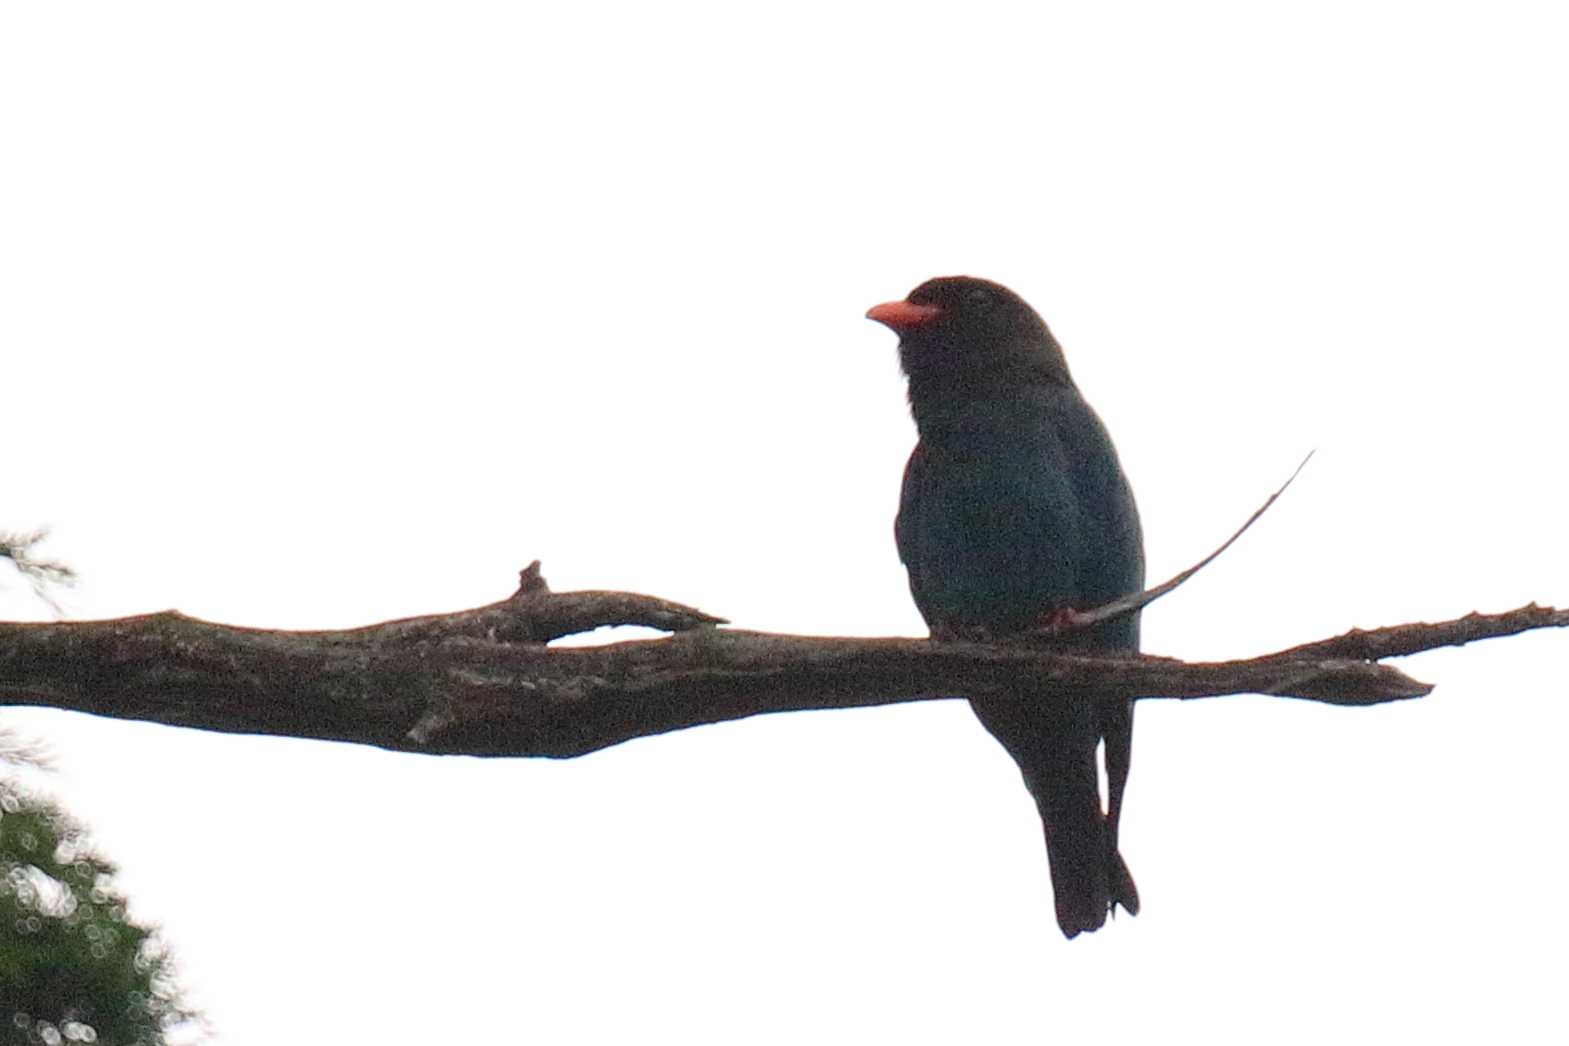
(1015, 512)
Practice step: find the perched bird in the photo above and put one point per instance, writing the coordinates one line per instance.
(1014, 513)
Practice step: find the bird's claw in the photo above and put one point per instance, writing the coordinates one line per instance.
(1060, 619)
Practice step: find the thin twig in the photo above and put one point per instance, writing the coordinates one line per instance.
(1374, 644)
(1138, 601)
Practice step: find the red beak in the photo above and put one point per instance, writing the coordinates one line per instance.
(903, 315)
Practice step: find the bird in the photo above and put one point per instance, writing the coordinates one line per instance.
(1015, 513)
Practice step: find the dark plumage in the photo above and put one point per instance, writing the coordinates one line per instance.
(1014, 509)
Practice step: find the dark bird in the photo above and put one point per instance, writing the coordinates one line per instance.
(1014, 513)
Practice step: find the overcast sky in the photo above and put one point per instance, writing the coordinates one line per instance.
(318, 314)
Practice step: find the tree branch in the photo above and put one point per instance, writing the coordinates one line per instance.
(1139, 600)
(484, 682)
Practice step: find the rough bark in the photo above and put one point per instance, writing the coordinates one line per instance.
(484, 681)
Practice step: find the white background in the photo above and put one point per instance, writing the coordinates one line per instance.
(317, 314)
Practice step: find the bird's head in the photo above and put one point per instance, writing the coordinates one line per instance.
(960, 332)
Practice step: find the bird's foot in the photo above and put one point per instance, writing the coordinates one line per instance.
(1059, 619)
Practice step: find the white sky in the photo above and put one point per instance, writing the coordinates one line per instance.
(317, 314)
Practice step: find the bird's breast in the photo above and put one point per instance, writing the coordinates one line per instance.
(1013, 509)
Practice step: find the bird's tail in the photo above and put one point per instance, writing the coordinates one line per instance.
(1120, 883)
(1116, 727)
(1054, 742)
(1089, 878)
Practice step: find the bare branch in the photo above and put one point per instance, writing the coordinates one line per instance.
(484, 682)
(1083, 619)
(1401, 640)
(533, 614)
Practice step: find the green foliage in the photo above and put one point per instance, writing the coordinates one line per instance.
(73, 967)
